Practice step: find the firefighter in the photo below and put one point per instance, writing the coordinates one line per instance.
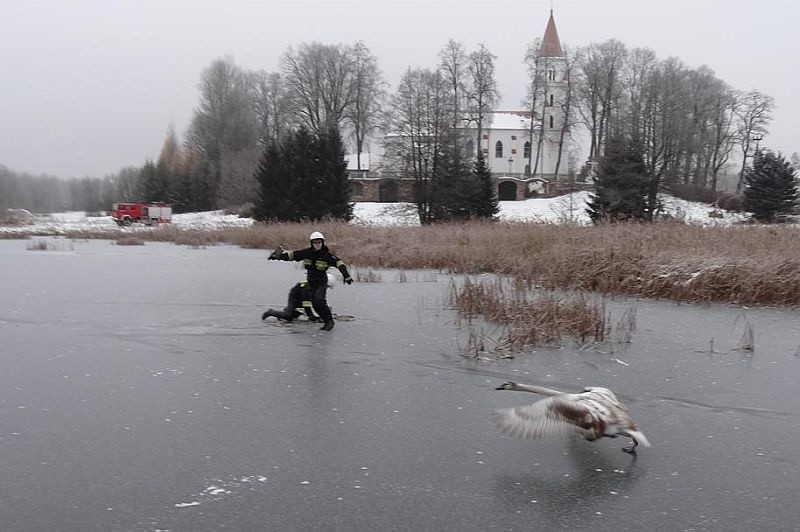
(317, 258)
(299, 298)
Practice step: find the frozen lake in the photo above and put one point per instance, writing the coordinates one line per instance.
(139, 390)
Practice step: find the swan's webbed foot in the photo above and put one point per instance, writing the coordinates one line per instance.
(631, 449)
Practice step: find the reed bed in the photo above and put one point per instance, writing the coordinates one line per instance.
(742, 264)
(129, 241)
(531, 317)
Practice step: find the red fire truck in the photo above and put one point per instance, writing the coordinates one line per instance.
(145, 213)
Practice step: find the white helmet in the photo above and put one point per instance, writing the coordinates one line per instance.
(331, 280)
(316, 235)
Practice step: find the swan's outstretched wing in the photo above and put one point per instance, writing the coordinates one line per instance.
(550, 416)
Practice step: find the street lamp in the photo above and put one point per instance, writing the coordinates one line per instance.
(757, 139)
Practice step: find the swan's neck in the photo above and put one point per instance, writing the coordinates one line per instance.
(537, 389)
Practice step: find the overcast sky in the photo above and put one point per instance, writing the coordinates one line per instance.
(89, 87)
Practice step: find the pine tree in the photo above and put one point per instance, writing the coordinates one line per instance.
(334, 187)
(770, 191)
(621, 185)
(452, 189)
(155, 182)
(273, 202)
(485, 201)
(304, 178)
(460, 190)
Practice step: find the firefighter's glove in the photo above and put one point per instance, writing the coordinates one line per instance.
(276, 254)
(348, 280)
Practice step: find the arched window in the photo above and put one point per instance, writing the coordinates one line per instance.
(551, 100)
(498, 149)
(470, 149)
(551, 121)
(527, 150)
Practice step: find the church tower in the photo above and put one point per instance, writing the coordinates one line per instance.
(551, 143)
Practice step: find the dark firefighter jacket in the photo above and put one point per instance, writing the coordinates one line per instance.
(317, 263)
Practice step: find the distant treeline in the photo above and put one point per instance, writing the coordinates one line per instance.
(44, 193)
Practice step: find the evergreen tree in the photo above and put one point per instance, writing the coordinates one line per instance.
(485, 203)
(450, 191)
(621, 185)
(274, 201)
(304, 178)
(331, 169)
(458, 191)
(155, 183)
(770, 191)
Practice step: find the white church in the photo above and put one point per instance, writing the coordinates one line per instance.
(525, 159)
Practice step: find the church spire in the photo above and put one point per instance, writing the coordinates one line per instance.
(551, 45)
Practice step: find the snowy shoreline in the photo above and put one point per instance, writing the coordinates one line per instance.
(568, 209)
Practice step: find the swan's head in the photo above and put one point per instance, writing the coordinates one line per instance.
(510, 385)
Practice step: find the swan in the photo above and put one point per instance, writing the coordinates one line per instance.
(594, 413)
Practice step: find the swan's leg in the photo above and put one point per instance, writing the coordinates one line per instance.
(634, 443)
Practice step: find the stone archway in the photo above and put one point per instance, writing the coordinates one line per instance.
(388, 192)
(507, 191)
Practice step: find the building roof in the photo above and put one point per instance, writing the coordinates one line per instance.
(510, 120)
(551, 45)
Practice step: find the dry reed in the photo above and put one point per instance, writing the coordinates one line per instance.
(742, 264)
(533, 317)
(367, 276)
(38, 245)
(129, 241)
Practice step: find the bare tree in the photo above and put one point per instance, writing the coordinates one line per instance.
(420, 120)
(239, 186)
(565, 101)
(453, 65)
(722, 133)
(636, 77)
(483, 94)
(600, 91)
(319, 79)
(754, 115)
(223, 125)
(539, 70)
(271, 105)
(40, 193)
(365, 113)
(128, 183)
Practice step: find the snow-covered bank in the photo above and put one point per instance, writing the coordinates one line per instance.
(570, 208)
(558, 210)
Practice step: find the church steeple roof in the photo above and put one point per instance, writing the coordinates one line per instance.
(551, 45)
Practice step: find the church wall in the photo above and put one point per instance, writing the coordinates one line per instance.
(513, 148)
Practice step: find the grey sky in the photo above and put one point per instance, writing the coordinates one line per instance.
(89, 87)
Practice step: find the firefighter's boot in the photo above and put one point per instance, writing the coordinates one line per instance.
(328, 325)
(280, 314)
